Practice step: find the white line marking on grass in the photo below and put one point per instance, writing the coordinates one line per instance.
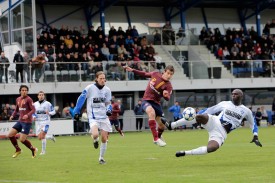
(24, 181)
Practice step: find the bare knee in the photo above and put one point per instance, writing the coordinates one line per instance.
(151, 112)
(212, 149)
(202, 118)
(212, 146)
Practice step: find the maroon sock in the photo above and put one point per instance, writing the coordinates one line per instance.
(15, 144)
(28, 144)
(160, 131)
(152, 125)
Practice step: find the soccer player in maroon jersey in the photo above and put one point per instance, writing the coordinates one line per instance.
(159, 86)
(24, 105)
(114, 116)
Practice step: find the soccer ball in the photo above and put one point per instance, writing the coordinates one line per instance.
(189, 113)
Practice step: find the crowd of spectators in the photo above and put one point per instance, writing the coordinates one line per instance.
(118, 48)
(242, 48)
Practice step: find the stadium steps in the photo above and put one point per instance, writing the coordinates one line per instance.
(201, 53)
(170, 60)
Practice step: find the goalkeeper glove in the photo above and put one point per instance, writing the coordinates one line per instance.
(109, 110)
(76, 117)
(256, 141)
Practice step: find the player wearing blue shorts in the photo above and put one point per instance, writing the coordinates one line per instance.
(24, 105)
(158, 87)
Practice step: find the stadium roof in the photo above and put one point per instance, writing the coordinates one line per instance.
(164, 3)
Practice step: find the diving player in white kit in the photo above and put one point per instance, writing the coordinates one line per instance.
(43, 112)
(230, 117)
(99, 108)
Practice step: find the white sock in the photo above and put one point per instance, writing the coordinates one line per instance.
(103, 148)
(182, 122)
(49, 137)
(96, 140)
(199, 151)
(44, 142)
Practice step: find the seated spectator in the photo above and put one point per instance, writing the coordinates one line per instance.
(131, 75)
(68, 59)
(97, 49)
(134, 32)
(105, 51)
(122, 50)
(220, 53)
(99, 31)
(112, 32)
(157, 37)
(66, 111)
(143, 41)
(226, 54)
(86, 60)
(117, 71)
(68, 40)
(135, 49)
(151, 49)
(97, 67)
(120, 32)
(60, 62)
(128, 31)
(129, 42)
(121, 57)
(76, 59)
(91, 32)
(69, 49)
(97, 57)
(143, 53)
(120, 40)
(5, 115)
(100, 40)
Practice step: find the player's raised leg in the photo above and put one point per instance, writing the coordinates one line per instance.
(217, 136)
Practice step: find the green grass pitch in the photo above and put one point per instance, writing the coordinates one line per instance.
(135, 159)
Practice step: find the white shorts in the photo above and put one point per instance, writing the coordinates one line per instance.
(102, 124)
(42, 127)
(215, 130)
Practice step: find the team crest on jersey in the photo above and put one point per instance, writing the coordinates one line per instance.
(153, 81)
(98, 100)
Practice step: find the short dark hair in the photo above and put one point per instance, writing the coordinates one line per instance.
(23, 86)
(170, 68)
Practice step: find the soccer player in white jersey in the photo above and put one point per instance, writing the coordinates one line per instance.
(98, 109)
(232, 113)
(43, 112)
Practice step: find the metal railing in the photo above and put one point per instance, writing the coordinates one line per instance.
(85, 71)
